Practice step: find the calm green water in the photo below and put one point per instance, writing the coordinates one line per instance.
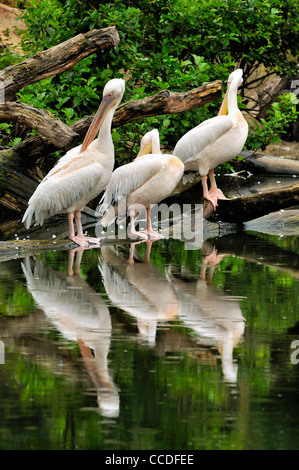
(170, 354)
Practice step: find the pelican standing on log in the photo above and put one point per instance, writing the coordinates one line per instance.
(146, 181)
(82, 173)
(216, 140)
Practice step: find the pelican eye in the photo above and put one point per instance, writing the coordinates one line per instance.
(108, 97)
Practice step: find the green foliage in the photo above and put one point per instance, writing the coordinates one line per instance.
(46, 24)
(8, 56)
(281, 114)
(175, 44)
(15, 303)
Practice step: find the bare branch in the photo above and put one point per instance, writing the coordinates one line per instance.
(56, 60)
(43, 121)
(167, 102)
(249, 207)
(258, 80)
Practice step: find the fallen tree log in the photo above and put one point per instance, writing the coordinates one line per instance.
(265, 164)
(58, 133)
(56, 60)
(166, 102)
(17, 183)
(250, 207)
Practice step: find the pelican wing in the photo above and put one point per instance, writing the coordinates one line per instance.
(71, 161)
(203, 135)
(60, 191)
(127, 178)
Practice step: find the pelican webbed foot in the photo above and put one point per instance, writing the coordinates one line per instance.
(84, 242)
(212, 197)
(152, 235)
(79, 240)
(220, 195)
(135, 234)
(93, 240)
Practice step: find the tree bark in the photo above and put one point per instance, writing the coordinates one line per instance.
(56, 60)
(17, 183)
(58, 133)
(262, 164)
(245, 208)
(166, 102)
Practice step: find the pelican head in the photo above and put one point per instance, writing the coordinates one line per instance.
(236, 78)
(150, 143)
(112, 95)
(236, 75)
(114, 91)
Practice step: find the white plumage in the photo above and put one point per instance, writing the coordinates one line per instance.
(216, 140)
(214, 318)
(139, 289)
(79, 314)
(82, 173)
(146, 181)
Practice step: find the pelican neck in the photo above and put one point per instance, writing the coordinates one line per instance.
(156, 145)
(232, 100)
(105, 129)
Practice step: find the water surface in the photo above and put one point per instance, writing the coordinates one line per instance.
(152, 346)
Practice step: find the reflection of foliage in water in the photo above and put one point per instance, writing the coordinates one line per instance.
(290, 243)
(16, 303)
(172, 397)
(15, 299)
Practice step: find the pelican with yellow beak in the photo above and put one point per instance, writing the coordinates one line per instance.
(216, 140)
(142, 183)
(82, 173)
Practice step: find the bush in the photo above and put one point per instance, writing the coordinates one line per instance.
(281, 114)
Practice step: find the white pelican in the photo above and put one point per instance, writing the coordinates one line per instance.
(214, 318)
(82, 173)
(139, 289)
(149, 179)
(80, 314)
(216, 140)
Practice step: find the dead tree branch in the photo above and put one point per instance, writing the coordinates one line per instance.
(166, 102)
(58, 133)
(56, 60)
(245, 208)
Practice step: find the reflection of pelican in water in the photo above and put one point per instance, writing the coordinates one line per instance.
(215, 317)
(138, 288)
(81, 315)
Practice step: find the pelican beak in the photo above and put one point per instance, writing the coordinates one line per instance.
(145, 149)
(223, 108)
(107, 103)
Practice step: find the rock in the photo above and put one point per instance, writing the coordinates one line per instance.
(284, 222)
(262, 164)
